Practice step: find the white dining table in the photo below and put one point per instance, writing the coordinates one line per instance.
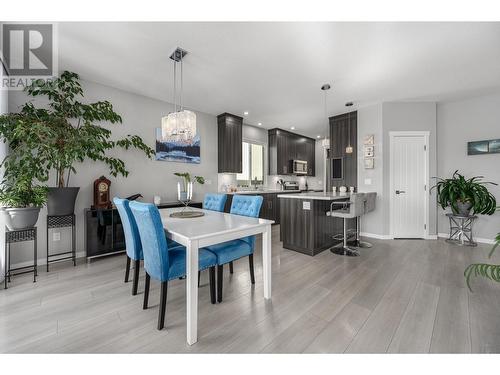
(212, 228)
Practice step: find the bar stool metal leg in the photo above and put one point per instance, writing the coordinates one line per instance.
(357, 242)
(345, 250)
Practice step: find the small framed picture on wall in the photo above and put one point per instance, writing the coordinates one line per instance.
(369, 163)
(369, 152)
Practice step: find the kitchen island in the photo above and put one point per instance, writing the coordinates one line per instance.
(304, 225)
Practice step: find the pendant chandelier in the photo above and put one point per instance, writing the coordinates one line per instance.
(348, 149)
(325, 88)
(179, 125)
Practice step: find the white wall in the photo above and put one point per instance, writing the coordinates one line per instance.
(141, 116)
(458, 123)
(3, 153)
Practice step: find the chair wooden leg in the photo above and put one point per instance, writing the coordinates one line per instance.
(212, 284)
(146, 292)
(163, 305)
(220, 275)
(137, 266)
(127, 270)
(231, 267)
(250, 263)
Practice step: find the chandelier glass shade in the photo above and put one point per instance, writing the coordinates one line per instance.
(179, 125)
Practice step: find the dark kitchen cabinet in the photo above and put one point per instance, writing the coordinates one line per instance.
(230, 141)
(311, 157)
(284, 147)
(343, 131)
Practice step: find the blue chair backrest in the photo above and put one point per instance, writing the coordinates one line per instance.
(154, 243)
(247, 205)
(214, 202)
(132, 238)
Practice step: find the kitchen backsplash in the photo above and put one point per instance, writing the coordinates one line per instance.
(224, 179)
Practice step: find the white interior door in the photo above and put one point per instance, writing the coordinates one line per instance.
(408, 187)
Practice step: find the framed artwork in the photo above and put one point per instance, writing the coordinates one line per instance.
(369, 152)
(369, 139)
(494, 146)
(183, 147)
(490, 146)
(369, 163)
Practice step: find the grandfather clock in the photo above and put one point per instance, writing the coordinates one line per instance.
(101, 193)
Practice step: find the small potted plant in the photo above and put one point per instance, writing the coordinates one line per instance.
(21, 200)
(185, 193)
(464, 195)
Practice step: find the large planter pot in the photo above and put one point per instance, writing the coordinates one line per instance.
(463, 208)
(21, 218)
(61, 201)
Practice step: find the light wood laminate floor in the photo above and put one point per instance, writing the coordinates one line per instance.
(404, 296)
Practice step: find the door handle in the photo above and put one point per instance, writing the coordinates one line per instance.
(400, 191)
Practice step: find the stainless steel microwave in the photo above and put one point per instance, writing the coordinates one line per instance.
(299, 167)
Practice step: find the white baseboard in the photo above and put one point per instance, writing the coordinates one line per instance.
(477, 239)
(43, 261)
(376, 236)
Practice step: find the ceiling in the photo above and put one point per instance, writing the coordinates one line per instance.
(275, 70)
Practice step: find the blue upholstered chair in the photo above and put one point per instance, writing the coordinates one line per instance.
(227, 252)
(132, 240)
(161, 263)
(214, 202)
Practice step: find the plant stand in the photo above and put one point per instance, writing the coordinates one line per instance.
(20, 235)
(461, 230)
(63, 221)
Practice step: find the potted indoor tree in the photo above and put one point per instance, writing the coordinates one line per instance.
(464, 195)
(63, 133)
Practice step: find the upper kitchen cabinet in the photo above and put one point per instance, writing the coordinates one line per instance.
(284, 147)
(344, 166)
(230, 140)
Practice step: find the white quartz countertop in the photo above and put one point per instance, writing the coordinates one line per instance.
(318, 196)
(267, 191)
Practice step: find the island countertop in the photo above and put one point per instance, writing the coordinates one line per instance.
(328, 196)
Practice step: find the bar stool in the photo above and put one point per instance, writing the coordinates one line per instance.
(353, 208)
(370, 199)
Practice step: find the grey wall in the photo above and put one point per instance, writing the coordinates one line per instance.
(411, 116)
(370, 122)
(141, 116)
(459, 122)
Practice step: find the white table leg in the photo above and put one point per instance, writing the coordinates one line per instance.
(266, 261)
(192, 292)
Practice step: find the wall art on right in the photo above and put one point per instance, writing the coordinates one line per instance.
(491, 146)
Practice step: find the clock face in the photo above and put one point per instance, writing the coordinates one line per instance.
(103, 187)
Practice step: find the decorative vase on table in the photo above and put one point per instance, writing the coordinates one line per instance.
(185, 193)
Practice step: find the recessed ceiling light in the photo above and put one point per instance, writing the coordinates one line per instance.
(260, 124)
(318, 136)
(245, 113)
(293, 128)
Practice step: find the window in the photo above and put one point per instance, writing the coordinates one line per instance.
(253, 164)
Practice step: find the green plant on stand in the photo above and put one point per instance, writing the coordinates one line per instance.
(20, 195)
(464, 195)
